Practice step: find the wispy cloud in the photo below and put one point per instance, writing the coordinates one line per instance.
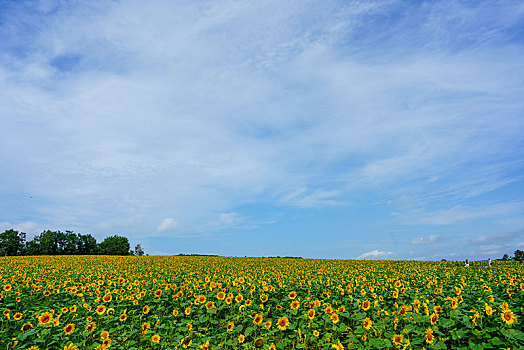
(375, 254)
(168, 224)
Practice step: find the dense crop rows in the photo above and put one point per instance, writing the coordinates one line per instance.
(97, 302)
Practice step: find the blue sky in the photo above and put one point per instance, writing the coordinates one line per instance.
(322, 129)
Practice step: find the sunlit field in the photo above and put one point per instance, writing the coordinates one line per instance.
(99, 302)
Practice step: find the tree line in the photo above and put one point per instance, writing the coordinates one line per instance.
(14, 243)
(518, 255)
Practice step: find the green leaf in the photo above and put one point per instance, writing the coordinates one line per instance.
(496, 341)
(474, 346)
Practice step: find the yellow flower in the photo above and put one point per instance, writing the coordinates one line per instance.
(155, 338)
(430, 338)
(338, 346)
(367, 323)
(70, 328)
(258, 319)
(71, 346)
(241, 338)
(508, 317)
(282, 323)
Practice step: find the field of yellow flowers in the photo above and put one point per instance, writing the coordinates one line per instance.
(100, 302)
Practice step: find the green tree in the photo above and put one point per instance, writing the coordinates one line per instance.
(114, 245)
(138, 250)
(87, 245)
(12, 243)
(519, 254)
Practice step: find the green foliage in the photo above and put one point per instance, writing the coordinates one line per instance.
(114, 245)
(12, 243)
(49, 242)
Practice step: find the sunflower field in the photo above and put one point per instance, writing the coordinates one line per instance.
(191, 302)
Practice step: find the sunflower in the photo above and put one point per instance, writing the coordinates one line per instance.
(158, 293)
(210, 305)
(239, 298)
(258, 319)
(186, 343)
(155, 338)
(367, 323)
(187, 311)
(397, 340)
(508, 317)
(282, 323)
(71, 346)
(292, 295)
(488, 309)
(433, 318)
(17, 316)
(70, 328)
(311, 314)
(338, 346)
(328, 309)
(230, 326)
(107, 342)
(430, 338)
(7, 287)
(100, 309)
(205, 346)
(145, 327)
(26, 327)
(334, 318)
(295, 304)
(263, 298)
(104, 334)
(45, 318)
(90, 327)
(316, 333)
(221, 295)
(107, 298)
(366, 305)
(241, 338)
(437, 309)
(145, 310)
(33, 348)
(122, 317)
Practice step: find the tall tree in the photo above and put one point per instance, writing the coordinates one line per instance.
(138, 250)
(87, 244)
(115, 245)
(12, 242)
(519, 254)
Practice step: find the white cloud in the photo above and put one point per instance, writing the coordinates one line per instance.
(374, 254)
(29, 227)
(425, 240)
(168, 224)
(229, 219)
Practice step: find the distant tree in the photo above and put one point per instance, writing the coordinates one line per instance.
(505, 257)
(87, 245)
(12, 243)
(138, 250)
(114, 245)
(33, 247)
(52, 242)
(519, 254)
(71, 243)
